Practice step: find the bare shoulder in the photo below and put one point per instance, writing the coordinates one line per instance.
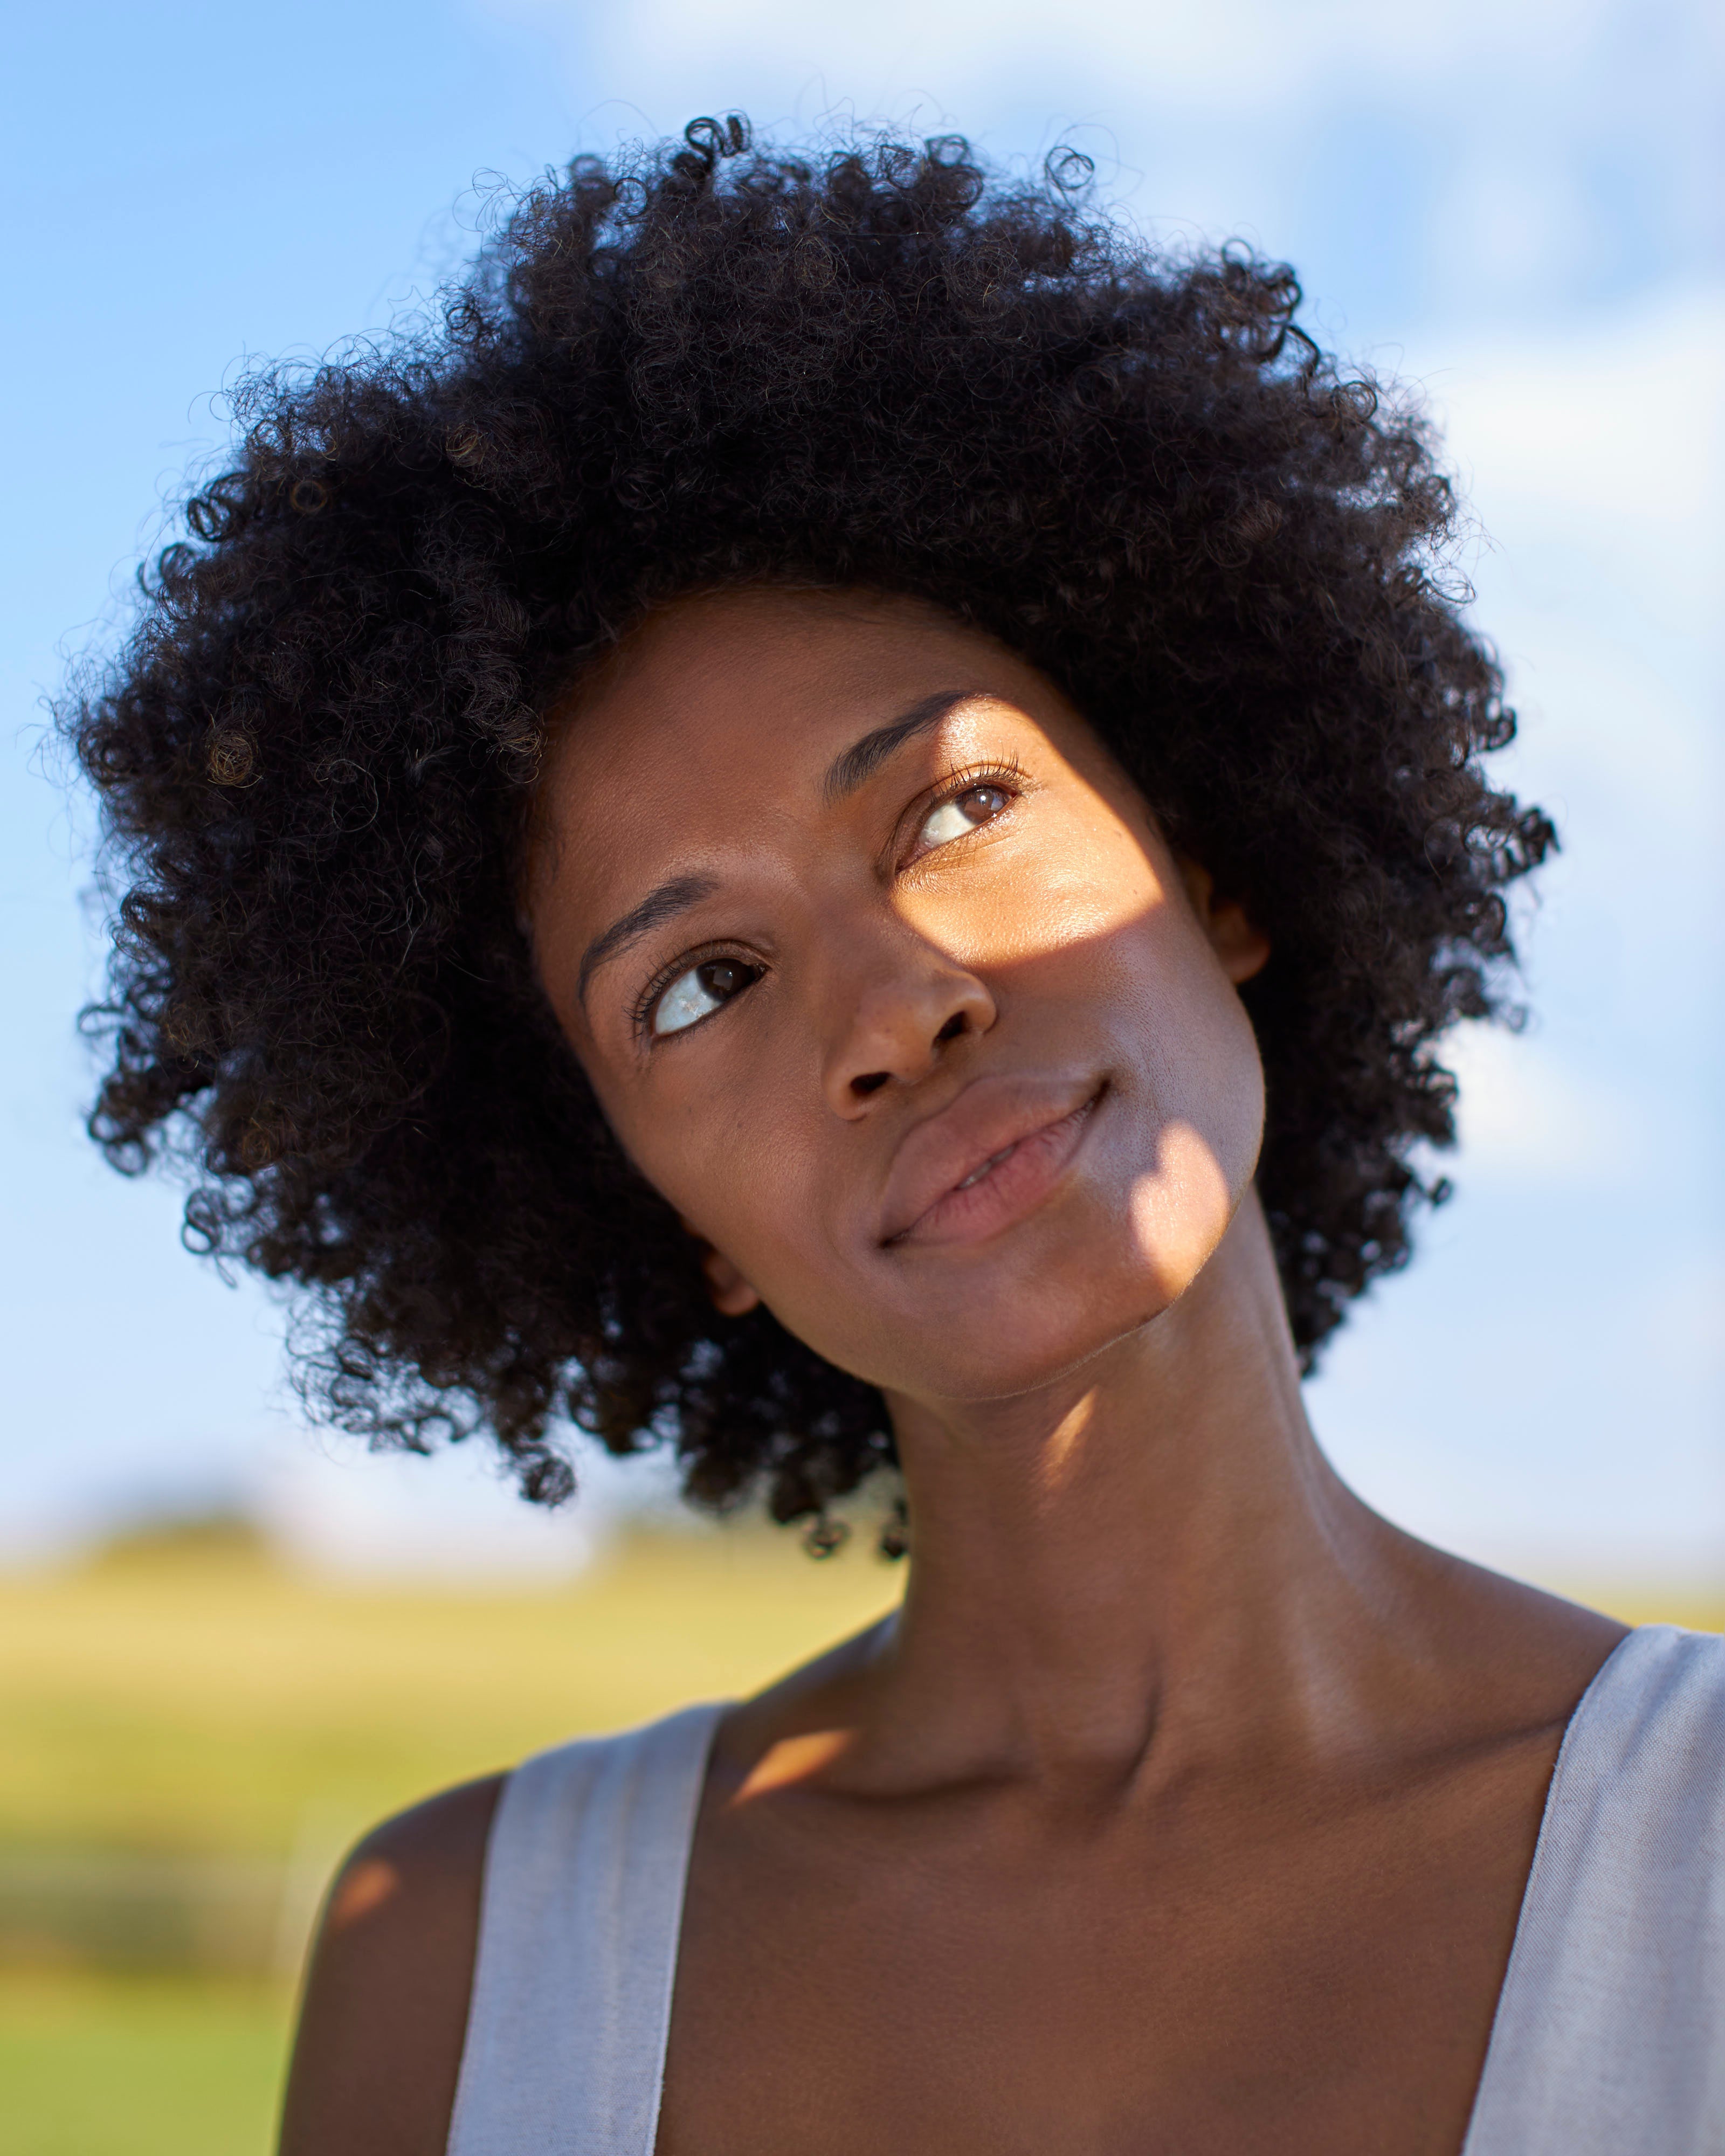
(821, 1694)
(1527, 1656)
(385, 2010)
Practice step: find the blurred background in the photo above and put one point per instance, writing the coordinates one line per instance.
(225, 1642)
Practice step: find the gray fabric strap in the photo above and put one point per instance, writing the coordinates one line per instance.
(1610, 2038)
(583, 1900)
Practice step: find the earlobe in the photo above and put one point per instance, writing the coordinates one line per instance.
(730, 1293)
(732, 1297)
(1243, 948)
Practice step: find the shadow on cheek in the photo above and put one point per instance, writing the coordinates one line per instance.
(1181, 1207)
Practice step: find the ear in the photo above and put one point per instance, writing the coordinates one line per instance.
(731, 1294)
(732, 1297)
(1243, 948)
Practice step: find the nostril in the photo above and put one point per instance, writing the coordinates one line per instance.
(871, 1082)
(952, 1028)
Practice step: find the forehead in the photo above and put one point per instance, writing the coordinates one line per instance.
(712, 727)
(760, 684)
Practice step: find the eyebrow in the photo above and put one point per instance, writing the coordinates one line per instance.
(657, 907)
(864, 758)
(847, 772)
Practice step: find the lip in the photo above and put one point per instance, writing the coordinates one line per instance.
(987, 1160)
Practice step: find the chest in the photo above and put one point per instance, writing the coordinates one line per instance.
(1288, 1976)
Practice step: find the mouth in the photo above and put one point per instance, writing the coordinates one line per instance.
(1001, 1174)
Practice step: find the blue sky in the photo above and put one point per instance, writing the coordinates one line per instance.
(1516, 205)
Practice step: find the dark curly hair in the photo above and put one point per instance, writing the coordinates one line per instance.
(703, 365)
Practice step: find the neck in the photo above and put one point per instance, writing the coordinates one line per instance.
(1151, 1555)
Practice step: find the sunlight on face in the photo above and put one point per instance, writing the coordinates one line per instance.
(886, 980)
(1181, 1205)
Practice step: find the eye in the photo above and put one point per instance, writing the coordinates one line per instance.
(960, 812)
(697, 992)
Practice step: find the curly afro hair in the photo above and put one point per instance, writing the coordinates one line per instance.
(711, 363)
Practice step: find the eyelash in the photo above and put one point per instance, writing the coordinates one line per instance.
(1009, 775)
(641, 1011)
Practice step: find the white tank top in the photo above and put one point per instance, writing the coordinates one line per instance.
(1609, 2034)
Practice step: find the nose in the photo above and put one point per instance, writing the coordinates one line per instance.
(898, 1025)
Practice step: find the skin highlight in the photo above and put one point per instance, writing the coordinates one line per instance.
(1187, 1805)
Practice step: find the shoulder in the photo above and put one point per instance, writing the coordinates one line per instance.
(1655, 1712)
(385, 2010)
(830, 1691)
(1612, 2017)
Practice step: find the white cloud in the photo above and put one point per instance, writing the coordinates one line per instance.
(1258, 54)
(1530, 1120)
(1604, 444)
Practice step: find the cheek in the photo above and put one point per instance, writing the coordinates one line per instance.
(1180, 1207)
(1190, 1068)
(1208, 1085)
(739, 1169)
(1091, 888)
(753, 1188)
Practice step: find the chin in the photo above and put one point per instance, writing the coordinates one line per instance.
(1002, 1339)
(1000, 1321)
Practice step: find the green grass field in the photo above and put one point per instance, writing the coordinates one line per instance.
(201, 1717)
(148, 2066)
(188, 1713)
(175, 1700)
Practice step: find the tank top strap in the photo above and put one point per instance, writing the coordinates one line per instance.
(578, 1947)
(1609, 2035)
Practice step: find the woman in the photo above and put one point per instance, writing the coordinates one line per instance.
(838, 827)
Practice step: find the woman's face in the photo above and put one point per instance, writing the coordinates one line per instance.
(886, 980)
